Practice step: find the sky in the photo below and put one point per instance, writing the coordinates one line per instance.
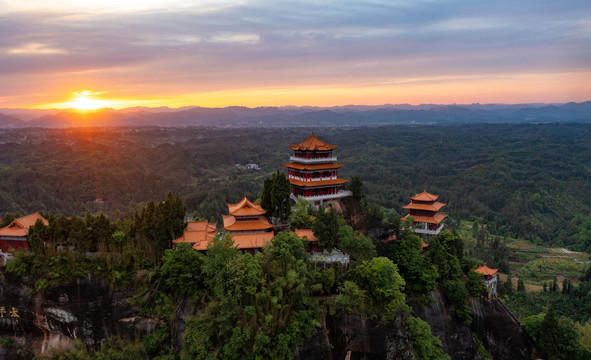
(209, 53)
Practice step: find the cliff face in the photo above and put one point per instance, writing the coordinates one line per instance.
(499, 331)
(83, 309)
(365, 339)
(455, 336)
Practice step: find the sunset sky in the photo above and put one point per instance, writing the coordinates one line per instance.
(271, 52)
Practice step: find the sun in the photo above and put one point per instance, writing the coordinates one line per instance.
(83, 101)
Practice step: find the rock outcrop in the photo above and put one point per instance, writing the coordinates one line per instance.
(494, 325)
(501, 333)
(364, 339)
(84, 309)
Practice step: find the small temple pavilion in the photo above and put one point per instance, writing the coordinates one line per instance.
(490, 278)
(249, 228)
(198, 234)
(308, 235)
(15, 234)
(313, 172)
(424, 208)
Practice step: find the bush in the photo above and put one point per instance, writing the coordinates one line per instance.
(424, 344)
(457, 294)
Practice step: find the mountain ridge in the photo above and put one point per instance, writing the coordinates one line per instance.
(292, 116)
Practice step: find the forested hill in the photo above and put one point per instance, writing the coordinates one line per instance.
(236, 116)
(526, 180)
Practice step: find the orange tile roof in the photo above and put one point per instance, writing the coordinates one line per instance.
(425, 196)
(231, 224)
(428, 207)
(485, 270)
(313, 143)
(197, 231)
(436, 219)
(306, 234)
(242, 241)
(20, 227)
(245, 208)
(424, 244)
(312, 166)
(252, 241)
(313, 184)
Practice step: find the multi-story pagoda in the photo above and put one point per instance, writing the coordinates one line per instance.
(250, 230)
(424, 208)
(313, 172)
(490, 278)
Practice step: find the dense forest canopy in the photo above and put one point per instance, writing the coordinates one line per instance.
(527, 180)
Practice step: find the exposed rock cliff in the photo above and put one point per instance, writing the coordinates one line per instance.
(83, 309)
(364, 339)
(502, 335)
(499, 331)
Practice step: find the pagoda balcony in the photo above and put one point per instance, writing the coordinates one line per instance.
(312, 161)
(422, 229)
(312, 180)
(312, 199)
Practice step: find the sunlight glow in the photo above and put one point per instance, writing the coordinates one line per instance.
(84, 102)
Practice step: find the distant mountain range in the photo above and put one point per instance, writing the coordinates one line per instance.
(292, 116)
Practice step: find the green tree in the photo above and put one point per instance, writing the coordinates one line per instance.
(376, 290)
(421, 275)
(260, 306)
(358, 246)
(38, 236)
(375, 210)
(474, 285)
(356, 188)
(181, 270)
(508, 285)
(8, 218)
(521, 285)
(326, 229)
(425, 345)
(301, 215)
(457, 294)
(275, 197)
(555, 338)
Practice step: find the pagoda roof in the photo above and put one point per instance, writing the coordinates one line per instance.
(485, 270)
(20, 227)
(245, 208)
(197, 231)
(424, 196)
(427, 207)
(252, 241)
(313, 143)
(306, 234)
(435, 219)
(299, 166)
(318, 183)
(231, 224)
